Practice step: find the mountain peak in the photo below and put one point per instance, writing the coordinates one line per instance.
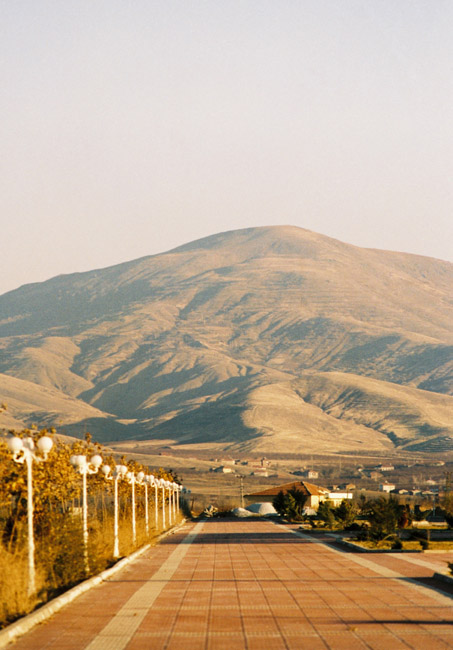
(238, 339)
(277, 240)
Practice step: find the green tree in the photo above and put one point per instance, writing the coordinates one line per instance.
(326, 513)
(291, 504)
(383, 516)
(279, 503)
(346, 512)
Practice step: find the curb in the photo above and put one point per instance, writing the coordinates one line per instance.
(25, 624)
(363, 549)
(445, 577)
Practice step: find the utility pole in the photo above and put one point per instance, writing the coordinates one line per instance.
(241, 479)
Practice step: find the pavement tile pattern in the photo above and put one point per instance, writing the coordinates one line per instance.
(255, 585)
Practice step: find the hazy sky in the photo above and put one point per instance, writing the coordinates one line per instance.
(129, 127)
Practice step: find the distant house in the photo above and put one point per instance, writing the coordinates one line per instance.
(311, 473)
(221, 470)
(387, 487)
(385, 468)
(260, 471)
(315, 494)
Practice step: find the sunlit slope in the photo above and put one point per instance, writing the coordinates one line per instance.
(187, 336)
(25, 399)
(317, 411)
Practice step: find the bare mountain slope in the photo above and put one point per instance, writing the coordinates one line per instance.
(184, 340)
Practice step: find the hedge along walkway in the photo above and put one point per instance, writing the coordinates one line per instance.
(246, 584)
(41, 614)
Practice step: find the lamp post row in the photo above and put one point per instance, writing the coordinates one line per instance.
(147, 480)
(24, 451)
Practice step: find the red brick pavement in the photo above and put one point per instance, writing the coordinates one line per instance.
(249, 584)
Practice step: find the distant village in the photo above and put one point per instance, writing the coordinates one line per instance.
(428, 484)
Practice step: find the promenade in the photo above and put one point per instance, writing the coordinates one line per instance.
(255, 585)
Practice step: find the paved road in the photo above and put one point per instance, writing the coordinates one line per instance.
(253, 585)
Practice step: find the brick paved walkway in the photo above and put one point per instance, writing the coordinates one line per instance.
(254, 585)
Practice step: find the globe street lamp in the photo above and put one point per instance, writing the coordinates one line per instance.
(83, 466)
(173, 497)
(169, 486)
(131, 479)
(119, 472)
(155, 483)
(175, 490)
(23, 451)
(150, 481)
(162, 485)
(142, 479)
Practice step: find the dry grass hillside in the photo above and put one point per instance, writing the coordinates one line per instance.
(264, 338)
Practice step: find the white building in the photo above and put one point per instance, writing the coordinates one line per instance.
(387, 487)
(337, 497)
(222, 470)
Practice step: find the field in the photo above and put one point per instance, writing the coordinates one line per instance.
(194, 467)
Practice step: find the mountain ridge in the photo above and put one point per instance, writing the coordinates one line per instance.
(167, 339)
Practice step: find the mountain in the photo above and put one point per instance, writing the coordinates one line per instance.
(269, 339)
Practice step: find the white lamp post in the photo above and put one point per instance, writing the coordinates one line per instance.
(175, 489)
(131, 478)
(119, 472)
(172, 501)
(84, 467)
(23, 451)
(162, 485)
(155, 483)
(168, 487)
(150, 480)
(142, 479)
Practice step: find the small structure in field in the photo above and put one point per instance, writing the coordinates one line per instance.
(221, 470)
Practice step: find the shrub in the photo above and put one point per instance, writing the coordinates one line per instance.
(383, 516)
(363, 534)
(346, 512)
(326, 514)
(291, 504)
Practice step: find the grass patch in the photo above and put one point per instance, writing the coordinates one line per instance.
(407, 545)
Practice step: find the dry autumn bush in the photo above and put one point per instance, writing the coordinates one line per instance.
(57, 498)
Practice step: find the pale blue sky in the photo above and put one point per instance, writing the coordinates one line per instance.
(131, 127)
